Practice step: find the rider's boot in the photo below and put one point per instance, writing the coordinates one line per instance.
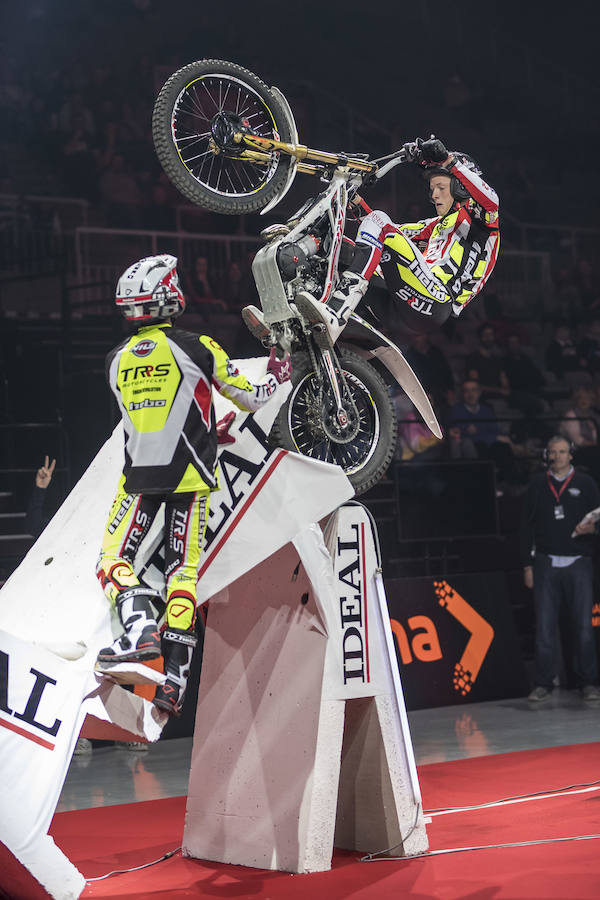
(140, 640)
(335, 314)
(255, 322)
(177, 649)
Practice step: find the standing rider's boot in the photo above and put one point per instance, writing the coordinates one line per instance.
(140, 640)
(177, 649)
(344, 300)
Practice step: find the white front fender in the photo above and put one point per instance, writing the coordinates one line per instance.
(393, 359)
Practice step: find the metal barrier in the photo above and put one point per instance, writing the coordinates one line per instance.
(101, 254)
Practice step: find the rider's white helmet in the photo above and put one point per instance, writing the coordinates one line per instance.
(149, 289)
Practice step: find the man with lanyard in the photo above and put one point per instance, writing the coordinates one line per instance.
(561, 545)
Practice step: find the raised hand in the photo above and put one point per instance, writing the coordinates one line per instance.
(43, 476)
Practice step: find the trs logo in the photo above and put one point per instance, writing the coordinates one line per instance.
(161, 369)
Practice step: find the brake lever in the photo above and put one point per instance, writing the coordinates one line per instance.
(397, 159)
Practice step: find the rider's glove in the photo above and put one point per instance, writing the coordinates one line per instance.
(358, 208)
(222, 428)
(432, 152)
(412, 149)
(280, 368)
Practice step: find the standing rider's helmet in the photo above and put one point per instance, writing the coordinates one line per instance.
(458, 191)
(149, 289)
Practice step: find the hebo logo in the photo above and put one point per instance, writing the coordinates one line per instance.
(421, 640)
(596, 615)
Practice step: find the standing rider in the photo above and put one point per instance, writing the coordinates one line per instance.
(434, 267)
(162, 379)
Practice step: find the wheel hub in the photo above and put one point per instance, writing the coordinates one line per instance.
(224, 127)
(340, 425)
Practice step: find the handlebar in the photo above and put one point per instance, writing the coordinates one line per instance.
(318, 162)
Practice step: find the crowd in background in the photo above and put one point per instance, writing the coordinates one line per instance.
(77, 124)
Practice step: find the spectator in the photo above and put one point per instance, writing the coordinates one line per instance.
(161, 212)
(579, 424)
(34, 517)
(73, 114)
(200, 287)
(579, 427)
(79, 162)
(556, 550)
(474, 433)
(524, 378)
(417, 443)
(485, 365)
(232, 287)
(589, 348)
(120, 193)
(430, 366)
(562, 355)
(585, 281)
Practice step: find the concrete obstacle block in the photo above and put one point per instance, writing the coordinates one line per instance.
(301, 722)
(54, 618)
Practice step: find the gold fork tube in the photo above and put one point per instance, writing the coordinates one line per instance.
(301, 152)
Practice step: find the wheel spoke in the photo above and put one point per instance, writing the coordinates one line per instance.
(351, 455)
(199, 156)
(196, 102)
(190, 137)
(226, 175)
(211, 96)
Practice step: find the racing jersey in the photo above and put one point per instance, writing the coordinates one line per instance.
(461, 247)
(162, 379)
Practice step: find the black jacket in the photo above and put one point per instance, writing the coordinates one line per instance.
(542, 531)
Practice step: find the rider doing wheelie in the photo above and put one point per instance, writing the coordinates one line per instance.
(434, 267)
(162, 379)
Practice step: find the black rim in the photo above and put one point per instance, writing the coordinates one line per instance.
(204, 110)
(305, 414)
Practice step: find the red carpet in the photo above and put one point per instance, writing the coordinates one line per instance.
(119, 837)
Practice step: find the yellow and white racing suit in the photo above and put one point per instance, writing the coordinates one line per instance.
(162, 379)
(436, 264)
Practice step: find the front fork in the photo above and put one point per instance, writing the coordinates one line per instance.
(326, 360)
(329, 367)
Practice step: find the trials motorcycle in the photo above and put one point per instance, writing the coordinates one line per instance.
(229, 144)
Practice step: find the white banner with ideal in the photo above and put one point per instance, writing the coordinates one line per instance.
(40, 718)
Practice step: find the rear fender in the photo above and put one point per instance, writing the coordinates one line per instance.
(293, 140)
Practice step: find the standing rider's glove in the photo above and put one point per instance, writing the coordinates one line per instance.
(222, 429)
(280, 368)
(432, 152)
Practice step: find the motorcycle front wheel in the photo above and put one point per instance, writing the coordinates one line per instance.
(301, 422)
(195, 115)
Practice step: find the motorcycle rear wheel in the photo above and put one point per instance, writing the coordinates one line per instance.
(299, 425)
(193, 104)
